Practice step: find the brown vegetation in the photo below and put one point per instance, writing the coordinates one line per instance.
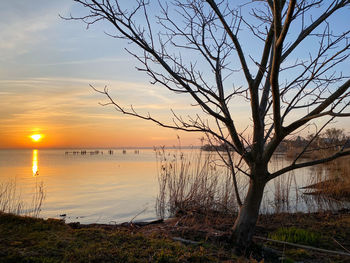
(193, 182)
(332, 180)
(24, 239)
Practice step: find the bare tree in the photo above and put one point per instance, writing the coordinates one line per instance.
(195, 47)
(335, 136)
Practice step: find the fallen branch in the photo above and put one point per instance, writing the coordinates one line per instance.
(158, 221)
(303, 246)
(340, 245)
(185, 241)
(140, 224)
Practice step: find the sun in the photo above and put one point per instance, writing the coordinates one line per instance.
(36, 137)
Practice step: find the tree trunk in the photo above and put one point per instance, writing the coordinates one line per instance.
(244, 227)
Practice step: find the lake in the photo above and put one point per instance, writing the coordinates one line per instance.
(100, 187)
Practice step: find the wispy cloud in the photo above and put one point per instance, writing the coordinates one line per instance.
(70, 101)
(85, 61)
(23, 24)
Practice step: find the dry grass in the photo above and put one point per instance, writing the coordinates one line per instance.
(293, 152)
(193, 182)
(329, 186)
(11, 201)
(283, 192)
(26, 239)
(332, 180)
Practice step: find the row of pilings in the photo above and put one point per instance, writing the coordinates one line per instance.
(97, 152)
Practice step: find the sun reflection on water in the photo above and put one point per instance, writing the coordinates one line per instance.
(35, 163)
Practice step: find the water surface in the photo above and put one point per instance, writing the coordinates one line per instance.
(87, 188)
(119, 187)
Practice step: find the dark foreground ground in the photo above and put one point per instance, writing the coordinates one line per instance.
(24, 239)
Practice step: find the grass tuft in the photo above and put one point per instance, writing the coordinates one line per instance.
(296, 235)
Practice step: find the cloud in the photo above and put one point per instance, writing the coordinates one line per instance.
(70, 102)
(85, 61)
(139, 94)
(22, 33)
(22, 24)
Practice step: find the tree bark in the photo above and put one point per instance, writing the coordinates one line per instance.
(244, 227)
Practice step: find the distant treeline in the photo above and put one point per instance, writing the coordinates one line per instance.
(212, 148)
(331, 138)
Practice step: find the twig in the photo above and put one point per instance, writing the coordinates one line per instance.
(142, 211)
(185, 241)
(340, 245)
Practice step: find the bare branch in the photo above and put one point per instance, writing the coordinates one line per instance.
(310, 163)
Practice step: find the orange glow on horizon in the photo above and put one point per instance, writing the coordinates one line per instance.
(107, 136)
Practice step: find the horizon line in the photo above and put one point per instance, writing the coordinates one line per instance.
(103, 147)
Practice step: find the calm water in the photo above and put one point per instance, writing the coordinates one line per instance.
(103, 188)
(87, 188)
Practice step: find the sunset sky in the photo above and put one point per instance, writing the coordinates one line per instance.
(46, 66)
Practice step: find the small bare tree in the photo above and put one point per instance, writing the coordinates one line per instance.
(292, 65)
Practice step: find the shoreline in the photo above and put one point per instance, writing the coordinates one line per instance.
(25, 239)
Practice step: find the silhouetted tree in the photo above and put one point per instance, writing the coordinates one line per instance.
(335, 136)
(290, 65)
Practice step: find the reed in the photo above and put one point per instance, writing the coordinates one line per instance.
(329, 187)
(193, 183)
(37, 200)
(11, 200)
(340, 174)
(282, 194)
(332, 180)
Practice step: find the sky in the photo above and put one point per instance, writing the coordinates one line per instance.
(46, 67)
